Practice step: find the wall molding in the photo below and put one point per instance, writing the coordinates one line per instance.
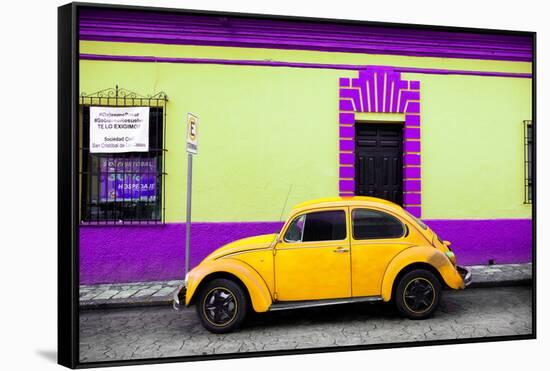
(263, 63)
(181, 28)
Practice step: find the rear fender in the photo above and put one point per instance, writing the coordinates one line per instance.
(420, 254)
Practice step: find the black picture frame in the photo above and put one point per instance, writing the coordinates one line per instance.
(68, 198)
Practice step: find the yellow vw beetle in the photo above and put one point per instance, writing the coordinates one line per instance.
(330, 251)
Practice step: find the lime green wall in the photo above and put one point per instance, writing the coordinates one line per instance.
(304, 56)
(264, 131)
(472, 146)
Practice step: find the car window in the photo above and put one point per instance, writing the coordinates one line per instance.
(295, 230)
(369, 224)
(318, 226)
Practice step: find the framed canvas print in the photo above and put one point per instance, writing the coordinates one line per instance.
(237, 185)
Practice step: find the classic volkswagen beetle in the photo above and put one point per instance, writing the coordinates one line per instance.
(330, 251)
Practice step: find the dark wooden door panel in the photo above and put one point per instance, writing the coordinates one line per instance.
(379, 161)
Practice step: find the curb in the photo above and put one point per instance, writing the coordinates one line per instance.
(167, 300)
(112, 304)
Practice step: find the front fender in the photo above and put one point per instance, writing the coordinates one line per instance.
(257, 289)
(420, 254)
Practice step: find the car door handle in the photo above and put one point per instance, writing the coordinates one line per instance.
(341, 250)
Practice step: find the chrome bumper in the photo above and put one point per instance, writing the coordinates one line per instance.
(465, 274)
(178, 301)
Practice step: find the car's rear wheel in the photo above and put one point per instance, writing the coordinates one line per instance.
(417, 294)
(222, 305)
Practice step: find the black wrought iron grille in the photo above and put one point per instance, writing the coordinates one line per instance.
(528, 158)
(123, 188)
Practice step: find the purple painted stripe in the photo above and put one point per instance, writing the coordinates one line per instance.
(346, 105)
(411, 159)
(412, 186)
(361, 85)
(344, 82)
(260, 63)
(241, 31)
(393, 78)
(347, 159)
(399, 86)
(387, 93)
(413, 107)
(347, 172)
(415, 210)
(412, 133)
(411, 172)
(231, 42)
(347, 145)
(415, 85)
(412, 120)
(347, 132)
(372, 96)
(407, 95)
(114, 254)
(380, 91)
(413, 95)
(347, 118)
(346, 185)
(353, 94)
(412, 199)
(411, 146)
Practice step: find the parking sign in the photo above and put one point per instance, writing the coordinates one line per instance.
(192, 133)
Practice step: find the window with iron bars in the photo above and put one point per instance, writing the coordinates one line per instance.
(123, 188)
(528, 158)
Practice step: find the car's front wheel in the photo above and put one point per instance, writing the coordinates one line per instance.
(222, 306)
(418, 293)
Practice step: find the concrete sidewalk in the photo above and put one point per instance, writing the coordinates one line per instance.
(160, 292)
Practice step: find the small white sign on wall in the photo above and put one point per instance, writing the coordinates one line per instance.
(119, 129)
(192, 137)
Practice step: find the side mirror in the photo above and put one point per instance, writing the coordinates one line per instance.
(447, 243)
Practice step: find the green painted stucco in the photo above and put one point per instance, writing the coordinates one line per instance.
(266, 133)
(303, 56)
(263, 133)
(472, 146)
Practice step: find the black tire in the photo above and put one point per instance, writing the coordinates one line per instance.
(222, 305)
(418, 294)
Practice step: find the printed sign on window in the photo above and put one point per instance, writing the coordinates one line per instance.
(119, 129)
(128, 179)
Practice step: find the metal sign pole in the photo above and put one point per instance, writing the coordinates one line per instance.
(188, 217)
(192, 147)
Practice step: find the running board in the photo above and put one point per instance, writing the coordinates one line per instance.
(284, 305)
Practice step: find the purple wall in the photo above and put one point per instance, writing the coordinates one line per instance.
(114, 254)
(476, 241)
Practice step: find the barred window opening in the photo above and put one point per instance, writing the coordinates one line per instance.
(123, 188)
(528, 155)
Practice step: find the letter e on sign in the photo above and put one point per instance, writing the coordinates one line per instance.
(192, 133)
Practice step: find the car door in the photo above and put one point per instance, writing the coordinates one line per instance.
(312, 259)
(376, 237)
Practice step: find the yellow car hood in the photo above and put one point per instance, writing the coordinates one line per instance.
(244, 244)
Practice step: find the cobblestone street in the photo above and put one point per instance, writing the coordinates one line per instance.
(134, 333)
